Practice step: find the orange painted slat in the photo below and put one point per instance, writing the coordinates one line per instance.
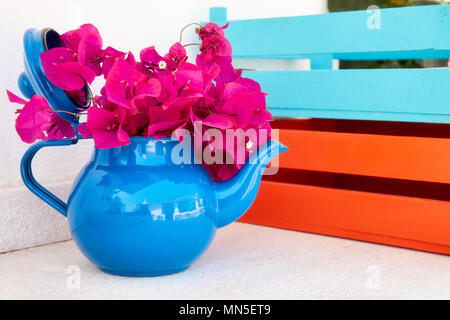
(411, 158)
(354, 235)
(389, 219)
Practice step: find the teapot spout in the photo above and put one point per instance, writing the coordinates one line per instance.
(235, 196)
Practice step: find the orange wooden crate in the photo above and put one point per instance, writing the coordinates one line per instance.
(373, 181)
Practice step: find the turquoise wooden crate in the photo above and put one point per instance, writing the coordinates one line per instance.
(413, 95)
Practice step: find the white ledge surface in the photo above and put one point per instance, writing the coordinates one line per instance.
(244, 262)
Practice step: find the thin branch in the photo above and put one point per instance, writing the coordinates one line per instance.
(190, 24)
(192, 44)
(63, 111)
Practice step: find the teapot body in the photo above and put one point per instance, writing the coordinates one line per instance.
(133, 212)
(138, 210)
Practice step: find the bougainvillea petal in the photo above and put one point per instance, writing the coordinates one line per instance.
(84, 131)
(165, 119)
(74, 75)
(210, 29)
(62, 126)
(90, 44)
(34, 120)
(87, 43)
(177, 52)
(62, 69)
(110, 56)
(38, 121)
(106, 127)
(211, 74)
(124, 83)
(15, 99)
(151, 87)
(163, 129)
(153, 61)
(150, 55)
(51, 60)
(220, 121)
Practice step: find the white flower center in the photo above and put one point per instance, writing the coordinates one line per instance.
(162, 65)
(249, 145)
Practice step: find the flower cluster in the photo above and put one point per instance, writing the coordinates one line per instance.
(153, 96)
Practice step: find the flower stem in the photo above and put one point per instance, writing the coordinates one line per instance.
(63, 111)
(190, 24)
(191, 44)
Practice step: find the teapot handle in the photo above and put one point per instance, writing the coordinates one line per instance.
(30, 181)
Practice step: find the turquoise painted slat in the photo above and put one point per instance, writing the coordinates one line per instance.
(421, 32)
(322, 61)
(337, 93)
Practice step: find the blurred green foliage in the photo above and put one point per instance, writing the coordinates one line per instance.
(350, 5)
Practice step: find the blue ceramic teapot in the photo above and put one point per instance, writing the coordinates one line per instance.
(132, 211)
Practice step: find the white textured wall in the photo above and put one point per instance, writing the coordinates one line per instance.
(126, 25)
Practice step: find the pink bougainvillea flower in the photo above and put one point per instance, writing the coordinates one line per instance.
(37, 120)
(187, 81)
(171, 110)
(137, 124)
(64, 71)
(216, 49)
(247, 141)
(227, 71)
(257, 100)
(166, 119)
(210, 75)
(177, 53)
(60, 128)
(239, 104)
(163, 122)
(124, 83)
(216, 46)
(34, 120)
(242, 100)
(106, 127)
(154, 62)
(110, 56)
(210, 90)
(86, 43)
(211, 29)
